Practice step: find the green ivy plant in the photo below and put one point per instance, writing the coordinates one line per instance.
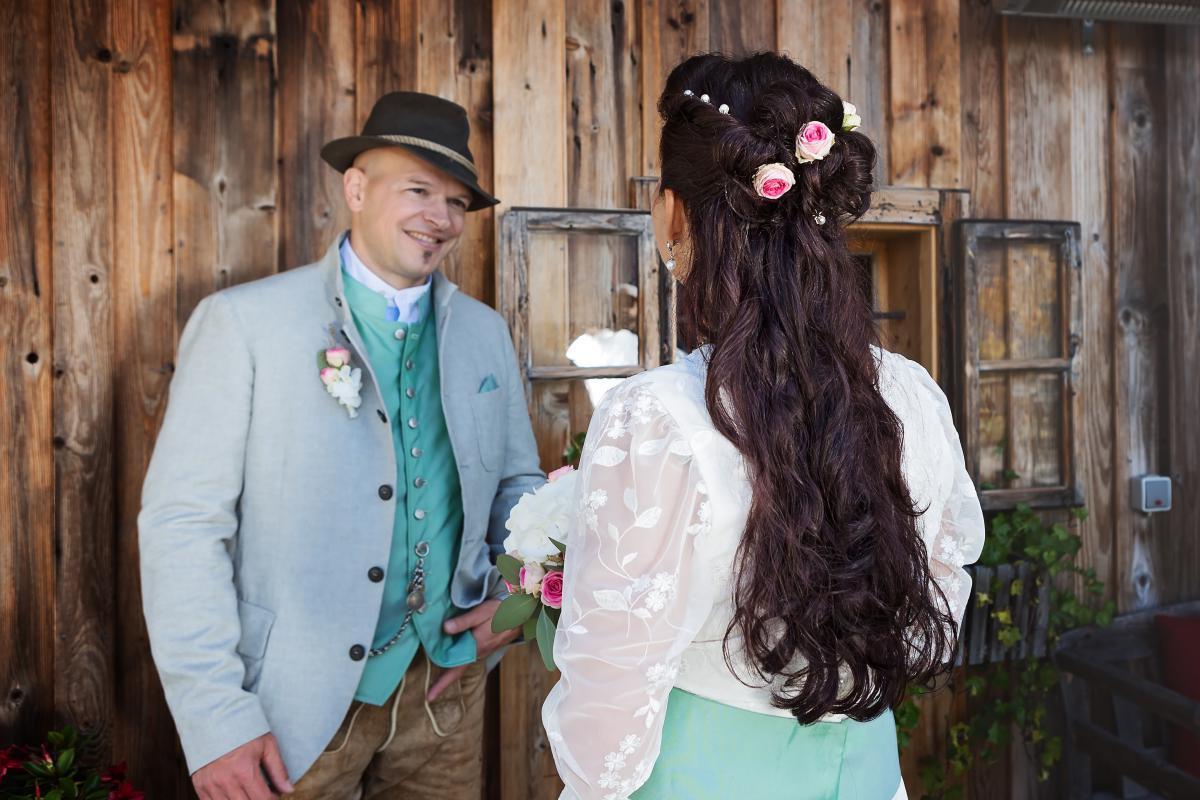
(1011, 695)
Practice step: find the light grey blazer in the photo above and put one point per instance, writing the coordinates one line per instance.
(262, 512)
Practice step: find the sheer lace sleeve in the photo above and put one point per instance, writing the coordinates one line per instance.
(635, 595)
(954, 537)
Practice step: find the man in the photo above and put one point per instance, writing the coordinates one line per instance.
(341, 449)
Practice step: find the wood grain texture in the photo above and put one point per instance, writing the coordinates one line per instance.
(385, 52)
(1180, 574)
(143, 289)
(924, 131)
(983, 129)
(84, 364)
(1090, 181)
(27, 500)
(226, 178)
(672, 30)
(529, 83)
(454, 61)
(1037, 125)
(739, 29)
(316, 105)
(1140, 305)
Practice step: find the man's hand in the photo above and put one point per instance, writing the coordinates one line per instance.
(479, 621)
(238, 774)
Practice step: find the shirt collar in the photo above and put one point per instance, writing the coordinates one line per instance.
(405, 302)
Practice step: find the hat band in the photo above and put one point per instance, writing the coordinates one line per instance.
(415, 141)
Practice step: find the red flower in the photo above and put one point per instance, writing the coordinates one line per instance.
(114, 774)
(125, 791)
(9, 760)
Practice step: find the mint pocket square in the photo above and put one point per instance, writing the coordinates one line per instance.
(489, 384)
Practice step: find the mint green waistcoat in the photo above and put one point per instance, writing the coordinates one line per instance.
(404, 359)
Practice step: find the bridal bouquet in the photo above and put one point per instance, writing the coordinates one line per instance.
(532, 563)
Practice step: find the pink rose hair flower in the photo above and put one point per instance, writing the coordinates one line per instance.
(329, 375)
(552, 589)
(772, 181)
(814, 141)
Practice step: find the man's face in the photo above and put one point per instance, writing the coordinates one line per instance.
(407, 214)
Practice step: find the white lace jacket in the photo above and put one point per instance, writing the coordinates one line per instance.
(663, 499)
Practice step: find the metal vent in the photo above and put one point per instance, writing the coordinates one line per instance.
(1160, 12)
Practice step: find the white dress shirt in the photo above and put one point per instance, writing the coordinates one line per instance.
(403, 303)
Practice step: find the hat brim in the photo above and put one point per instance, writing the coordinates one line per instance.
(340, 154)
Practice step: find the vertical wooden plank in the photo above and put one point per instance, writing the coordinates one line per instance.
(1090, 181)
(1037, 123)
(529, 83)
(924, 134)
(82, 223)
(455, 61)
(672, 30)
(385, 51)
(603, 154)
(226, 181)
(27, 500)
(1181, 572)
(819, 36)
(604, 120)
(983, 107)
(143, 289)
(739, 29)
(316, 104)
(1138, 199)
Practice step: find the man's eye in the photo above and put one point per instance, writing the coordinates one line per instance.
(418, 189)
(462, 204)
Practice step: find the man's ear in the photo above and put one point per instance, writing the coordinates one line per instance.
(354, 187)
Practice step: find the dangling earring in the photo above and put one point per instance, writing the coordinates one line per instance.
(670, 265)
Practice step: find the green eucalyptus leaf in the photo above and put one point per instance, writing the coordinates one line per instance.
(529, 629)
(562, 548)
(510, 568)
(545, 640)
(513, 612)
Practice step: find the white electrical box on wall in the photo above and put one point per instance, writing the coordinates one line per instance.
(1151, 493)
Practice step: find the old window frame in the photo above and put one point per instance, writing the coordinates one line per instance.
(971, 235)
(656, 336)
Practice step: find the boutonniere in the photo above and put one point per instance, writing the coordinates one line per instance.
(342, 381)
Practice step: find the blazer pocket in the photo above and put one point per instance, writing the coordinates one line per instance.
(487, 408)
(256, 629)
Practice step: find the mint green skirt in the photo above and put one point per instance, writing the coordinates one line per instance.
(711, 750)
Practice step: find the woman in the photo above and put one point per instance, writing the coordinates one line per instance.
(771, 533)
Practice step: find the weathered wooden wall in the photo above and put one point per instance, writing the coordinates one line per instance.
(154, 152)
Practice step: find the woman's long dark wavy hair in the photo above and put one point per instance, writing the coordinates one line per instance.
(831, 567)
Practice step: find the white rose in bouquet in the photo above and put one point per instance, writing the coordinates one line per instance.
(539, 517)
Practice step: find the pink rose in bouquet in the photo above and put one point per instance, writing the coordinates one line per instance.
(532, 562)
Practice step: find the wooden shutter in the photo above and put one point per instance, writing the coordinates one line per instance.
(1019, 295)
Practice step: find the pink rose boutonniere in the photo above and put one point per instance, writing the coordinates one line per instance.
(532, 562)
(814, 141)
(341, 380)
(772, 181)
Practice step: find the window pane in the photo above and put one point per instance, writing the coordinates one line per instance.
(1020, 299)
(993, 431)
(1037, 425)
(1035, 302)
(993, 299)
(583, 300)
(1021, 418)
